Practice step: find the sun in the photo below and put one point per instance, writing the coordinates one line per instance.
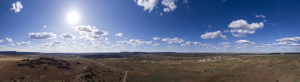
(73, 17)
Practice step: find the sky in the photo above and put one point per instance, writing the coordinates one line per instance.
(150, 25)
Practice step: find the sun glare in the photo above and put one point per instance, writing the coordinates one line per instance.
(73, 17)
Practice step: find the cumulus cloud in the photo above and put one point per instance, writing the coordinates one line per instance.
(245, 43)
(213, 35)
(9, 39)
(67, 36)
(240, 28)
(119, 34)
(188, 43)
(17, 6)
(23, 43)
(42, 35)
(90, 33)
(1, 41)
(170, 5)
(147, 4)
(172, 40)
(156, 38)
(138, 42)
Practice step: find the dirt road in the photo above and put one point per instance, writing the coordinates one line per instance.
(125, 76)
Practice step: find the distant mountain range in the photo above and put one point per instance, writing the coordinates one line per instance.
(132, 53)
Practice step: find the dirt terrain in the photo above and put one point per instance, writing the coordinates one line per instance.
(243, 68)
(49, 69)
(151, 68)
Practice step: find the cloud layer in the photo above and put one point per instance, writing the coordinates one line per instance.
(138, 42)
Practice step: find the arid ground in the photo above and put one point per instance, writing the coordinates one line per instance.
(150, 68)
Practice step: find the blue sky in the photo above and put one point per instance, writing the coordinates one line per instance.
(150, 25)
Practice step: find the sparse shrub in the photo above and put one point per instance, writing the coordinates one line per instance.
(77, 62)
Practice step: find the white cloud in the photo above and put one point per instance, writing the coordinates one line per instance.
(172, 40)
(280, 43)
(54, 43)
(147, 4)
(161, 14)
(264, 46)
(260, 16)
(9, 39)
(42, 35)
(295, 44)
(17, 6)
(188, 43)
(105, 38)
(101, 43)
(23, 43)
(44, 26)
(1, 41)
(12, 44)
(119, 34)
(245, 43)
(138, 42)
(240, 28)
(207, 45)
(90, 33)
(213, 35)
(67, 36)
(289, 39)
(156, 38)
(225, 44)
(154, 44)
(170, 5)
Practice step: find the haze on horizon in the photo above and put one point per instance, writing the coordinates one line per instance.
(150, 25)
